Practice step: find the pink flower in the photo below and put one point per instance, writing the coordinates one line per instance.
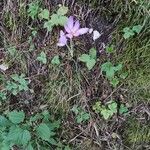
(73, 28)
(62, 39)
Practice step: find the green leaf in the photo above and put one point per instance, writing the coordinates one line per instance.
(110, 49)
(91, 63)
(42, 58)
(18, 136)
(105, 113)
(48, 25)
(43, 131)
(62, 10)
(44, 14)
(127, 33)
(114, 81)
(123, 109)
(118, 67)
(84, 58)
(16, 117)
(124, 75)
(33, 9)
(108, 68)
(62, 20)
(137, 28)
(55, 60)
(113, 107)
(92, 53)
(26, 137)
(4, 122)
(29, 147)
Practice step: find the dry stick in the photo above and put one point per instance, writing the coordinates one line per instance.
(113, 92)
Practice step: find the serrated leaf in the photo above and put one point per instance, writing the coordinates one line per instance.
(55, 60)
(18, 136)
(137, 29)
(84, 58)
(91, 63)
(43, 131)
(42, 58)
(124, 75)
(33, 9)
(62, 10)
(16, 117)
(118, 67)
(44, 14)
(92, 53)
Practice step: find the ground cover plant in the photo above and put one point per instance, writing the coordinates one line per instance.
(74, 75)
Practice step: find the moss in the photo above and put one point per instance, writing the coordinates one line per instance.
(136, 133)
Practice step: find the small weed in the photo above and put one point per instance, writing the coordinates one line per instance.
(90, 59)
(128, 32)
(55, 60)
(18, 84)
(42, 58)
(33, 9)
(109, 110)
(17, 130)
(112, 72)
(81, 115)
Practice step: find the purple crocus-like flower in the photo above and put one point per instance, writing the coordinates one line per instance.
(62, 39)
(72, 29)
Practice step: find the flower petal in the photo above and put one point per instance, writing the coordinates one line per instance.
(82, 31)
(76, 26)
(62, 41)
(67, 29)
(69, 36)
(70, 22)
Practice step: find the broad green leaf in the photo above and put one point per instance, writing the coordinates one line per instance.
(29, 147)
(25, 137)
(52, 141)
(43, 131)
(16, 117)
(4, 122)
(91, 63)
(42, 58)
(55, 60)
(92, 53)
(84, 58)
(18, 136)
(55, 19)
(44, 14)
(137, 28)
(62, 10)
